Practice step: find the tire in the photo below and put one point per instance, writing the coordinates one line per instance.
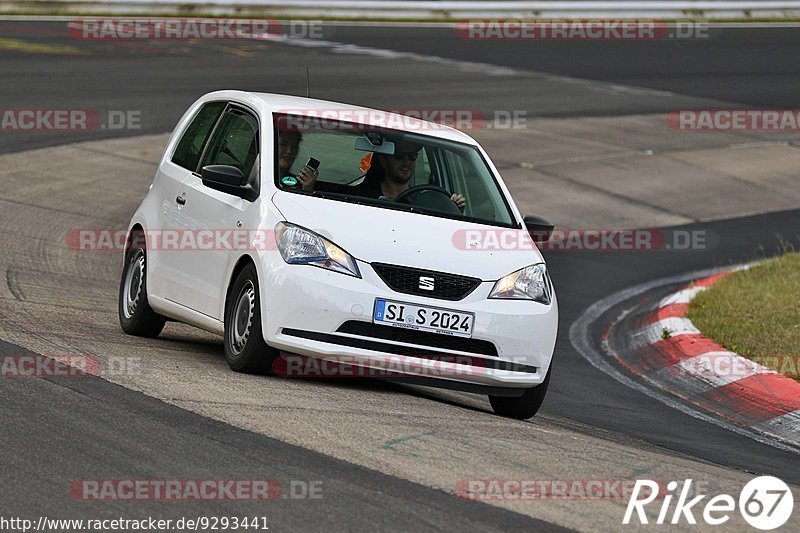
(136, 317)
(245, 349)
(521, 407)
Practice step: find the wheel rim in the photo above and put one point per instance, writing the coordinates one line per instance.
(134, 283)
(243, 317)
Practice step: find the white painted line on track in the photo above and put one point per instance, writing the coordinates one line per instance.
(787, 425)
(583, 158)
(384, 53)
(672, 326)
(683, 296)
(758, 144)
(720, 368)
(465, 66)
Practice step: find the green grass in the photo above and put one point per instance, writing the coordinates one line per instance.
(756, 313)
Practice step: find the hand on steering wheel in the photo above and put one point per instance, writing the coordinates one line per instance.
(460, 201)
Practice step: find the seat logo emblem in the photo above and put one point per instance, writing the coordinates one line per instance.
(425, 283)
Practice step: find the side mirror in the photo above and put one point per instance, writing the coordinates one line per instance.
(227, 179)
(223, 175)
(539, 229)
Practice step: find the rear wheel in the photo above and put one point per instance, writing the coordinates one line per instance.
(136, 317)
(245, 349)
(521, 407)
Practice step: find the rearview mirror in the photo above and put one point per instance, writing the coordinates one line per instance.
(373, 142)
(538, 228)
(227, 179)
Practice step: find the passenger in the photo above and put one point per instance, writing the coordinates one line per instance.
(391, 177)
(288, 148)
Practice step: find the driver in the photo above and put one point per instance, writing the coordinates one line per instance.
(399, 169)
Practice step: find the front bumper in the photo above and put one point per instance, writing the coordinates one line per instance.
(304, 307)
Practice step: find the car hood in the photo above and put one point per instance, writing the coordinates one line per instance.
(379, 235)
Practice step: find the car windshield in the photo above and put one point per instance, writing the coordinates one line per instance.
(388, 168)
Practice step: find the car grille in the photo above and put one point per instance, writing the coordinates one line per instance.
(422, 338)
(407, 280)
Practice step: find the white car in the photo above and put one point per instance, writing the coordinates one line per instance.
(306, 228)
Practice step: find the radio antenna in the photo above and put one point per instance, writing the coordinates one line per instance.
(308, 84)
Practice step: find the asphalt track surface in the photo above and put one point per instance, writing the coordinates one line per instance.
(752, 66)
(63, 424)
(43, 446)
(731, 69)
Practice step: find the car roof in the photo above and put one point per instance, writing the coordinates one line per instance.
(282, 103)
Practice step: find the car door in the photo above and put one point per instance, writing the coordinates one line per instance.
(165, 278)
(219, 220)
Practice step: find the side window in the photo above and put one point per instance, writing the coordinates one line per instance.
(464, 180)
(191, 145)
(234, 143)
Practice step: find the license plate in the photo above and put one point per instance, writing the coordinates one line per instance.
(423, 318)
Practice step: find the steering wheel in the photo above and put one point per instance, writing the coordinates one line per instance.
(424, 196)
(353, 181)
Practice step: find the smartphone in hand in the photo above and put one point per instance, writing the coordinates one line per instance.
(313, 164)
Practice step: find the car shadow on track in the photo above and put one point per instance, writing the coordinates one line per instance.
(183, 338)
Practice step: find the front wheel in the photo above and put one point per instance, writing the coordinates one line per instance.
(521, 407)
(136, 317)
(245, 349)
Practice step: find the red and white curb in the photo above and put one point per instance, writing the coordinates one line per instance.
(667, 350)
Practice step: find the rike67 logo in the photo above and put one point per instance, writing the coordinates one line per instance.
(765, 503)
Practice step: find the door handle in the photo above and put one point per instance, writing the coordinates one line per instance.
(181, 200)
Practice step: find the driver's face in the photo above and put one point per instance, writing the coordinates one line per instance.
(400, 167)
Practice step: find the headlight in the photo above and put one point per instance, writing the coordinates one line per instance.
(300, 246)
(529, 283)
